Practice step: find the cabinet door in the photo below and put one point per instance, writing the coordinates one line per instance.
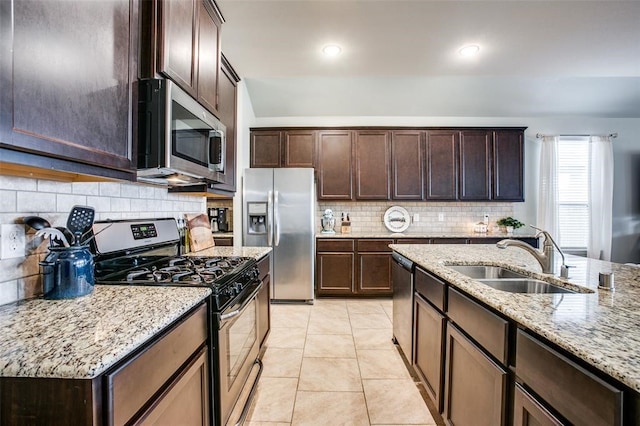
(67, 97)
(208, 56)
(475, 160)
(179, 49)
(299, 148)
(529, 412)
(442, 165)
(374, 273)
(428, 342)
(186, 401)
(265, 148)
(227, 110)
(407, 167)
(475, 386)
(508, 165)
(372, 166)
(335, 273)
(335, 165)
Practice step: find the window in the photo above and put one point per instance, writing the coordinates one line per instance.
(573, 194)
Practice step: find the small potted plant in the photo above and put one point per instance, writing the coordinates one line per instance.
(510, 224)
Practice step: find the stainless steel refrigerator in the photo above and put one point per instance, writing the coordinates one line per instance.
(279, 212)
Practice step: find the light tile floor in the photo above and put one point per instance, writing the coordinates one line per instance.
(333, 363)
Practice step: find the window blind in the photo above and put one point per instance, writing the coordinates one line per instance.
(573, 193)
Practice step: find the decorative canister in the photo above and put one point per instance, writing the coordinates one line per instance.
(67, 272)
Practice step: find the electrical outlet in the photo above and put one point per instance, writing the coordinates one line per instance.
(12, 241)
(416, 217)
(440, 217)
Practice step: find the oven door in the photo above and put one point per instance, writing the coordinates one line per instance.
(239, 347)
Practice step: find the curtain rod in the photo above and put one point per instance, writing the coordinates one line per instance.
(611, 135)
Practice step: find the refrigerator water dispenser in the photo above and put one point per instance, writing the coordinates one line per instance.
(257, 217)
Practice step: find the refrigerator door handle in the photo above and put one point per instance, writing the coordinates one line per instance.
(269, 219)
(276, 215)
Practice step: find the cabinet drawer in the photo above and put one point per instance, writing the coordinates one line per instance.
(133, 384)
(374, 245)
(431, 288)
(485, 327)
(335, 245)
(449, 241)
(413, 241)
(577, 394)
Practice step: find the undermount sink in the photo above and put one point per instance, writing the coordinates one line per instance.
(507, 280)
(524, 285)
(484, 271)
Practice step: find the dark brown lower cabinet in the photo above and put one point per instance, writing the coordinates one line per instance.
(334, 274)
(574, 392)
(428, 340)
(264, 323)
(223, 241)
(166, 381)
(529, 412)
(374, 273)
(475, 386)
(186, 400)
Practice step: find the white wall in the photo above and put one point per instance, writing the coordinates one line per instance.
(626, 200)
(246, 120)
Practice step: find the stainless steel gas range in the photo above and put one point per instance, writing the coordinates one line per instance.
(146, 252)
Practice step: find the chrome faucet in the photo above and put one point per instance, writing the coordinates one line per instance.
(544, 257)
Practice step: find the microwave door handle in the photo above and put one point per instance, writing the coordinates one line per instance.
(276, 215)
(270, 219)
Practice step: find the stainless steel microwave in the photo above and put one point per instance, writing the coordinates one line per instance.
(179, 141)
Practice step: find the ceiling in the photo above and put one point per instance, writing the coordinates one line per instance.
(400, 58)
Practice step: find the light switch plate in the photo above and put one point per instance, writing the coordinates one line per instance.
(12, 241)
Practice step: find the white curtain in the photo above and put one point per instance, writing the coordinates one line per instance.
(601, 197)
(547, 215)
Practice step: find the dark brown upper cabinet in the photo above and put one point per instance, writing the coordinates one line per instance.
(475, 165)
(407, 166)
(189, 47)
(265, 149)
(441, 156)
(67, 98)
(290, 148)
(508, 165)
(299, 148)
(227, 110)
(372, 164)
(334, 167)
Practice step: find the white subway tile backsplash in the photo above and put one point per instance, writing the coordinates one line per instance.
(109, 189)
(20, 278)
(129, 191)
(7, 201)
(86, 188)
(459, 217)
(32, 202)
(19, 183)
(65, 202)
(51, 186)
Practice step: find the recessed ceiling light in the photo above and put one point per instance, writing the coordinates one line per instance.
(469, 50)
(331, 50)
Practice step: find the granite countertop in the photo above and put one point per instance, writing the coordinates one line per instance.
(222, 234)
(255, 252)
(383, 234)
(83, 337)
(599, 326)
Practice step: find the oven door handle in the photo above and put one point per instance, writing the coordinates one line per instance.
(236, 312)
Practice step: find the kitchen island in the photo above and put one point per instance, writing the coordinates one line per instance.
(592, 333)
